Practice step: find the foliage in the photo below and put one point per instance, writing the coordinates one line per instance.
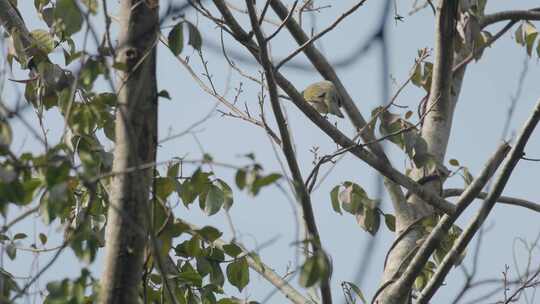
(68, 184)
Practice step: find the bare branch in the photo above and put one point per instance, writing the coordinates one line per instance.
(288, 151)
(479, 50)
(283, 22)
(514, 15)
(302, 47)
(507, 200)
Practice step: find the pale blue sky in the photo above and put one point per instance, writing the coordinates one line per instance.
(479, 119)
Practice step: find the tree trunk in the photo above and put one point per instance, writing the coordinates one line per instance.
(135, 138)
(443, 96)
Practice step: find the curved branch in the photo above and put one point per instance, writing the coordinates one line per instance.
(507, 200)
(319, 35)
(515, 15)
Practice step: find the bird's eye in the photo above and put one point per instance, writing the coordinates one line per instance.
(322, 95)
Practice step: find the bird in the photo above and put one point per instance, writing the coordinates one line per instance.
(324, 97)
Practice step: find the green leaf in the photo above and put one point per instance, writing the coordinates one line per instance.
(191, 276)
(390, 222)
(420, 282)
(227, 194)
(201, 181)
(216, 275)
(520, 37)
(121, 66)
(203, 266)
(186, 191)
(189, 248)
(334, 198)
(209, 233)
(173, 170)
(68, 12)
(266, 180)
(195, 38)
(229, 301)
(315, 269)
(240, 179)
(6, 135)
(92, 6)
(19, 236)
(238, 273)
(353, 197)
(164, 94)
(214, 200)
(530, 34)
(43, 40)
(11, 251)
(409, 114)
(176, 39)
(454, 162)
(164, 187)
(467, 176)
(43, 238)
(369, 220)
(232, 250)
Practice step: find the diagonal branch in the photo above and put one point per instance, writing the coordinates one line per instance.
(300, 189)
(415, 267)
(336, 135)
(467, 235)
(319, 35)
(323, 66)
(478, 51)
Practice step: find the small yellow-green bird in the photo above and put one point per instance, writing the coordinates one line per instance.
(324, 97)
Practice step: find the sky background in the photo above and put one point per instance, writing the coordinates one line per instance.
(268, 218)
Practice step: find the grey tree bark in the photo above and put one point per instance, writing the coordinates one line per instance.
(436, 128)
(135, 138)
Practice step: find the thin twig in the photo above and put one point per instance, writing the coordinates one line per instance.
(319, 35)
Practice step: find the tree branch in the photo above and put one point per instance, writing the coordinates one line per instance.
(467, 235)
(337, 136)
(403, 285)
(479, 50)
(515, 15)
(319, 35)
(319, 61)
(435, 131)
(300, 189)
(507, 200)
